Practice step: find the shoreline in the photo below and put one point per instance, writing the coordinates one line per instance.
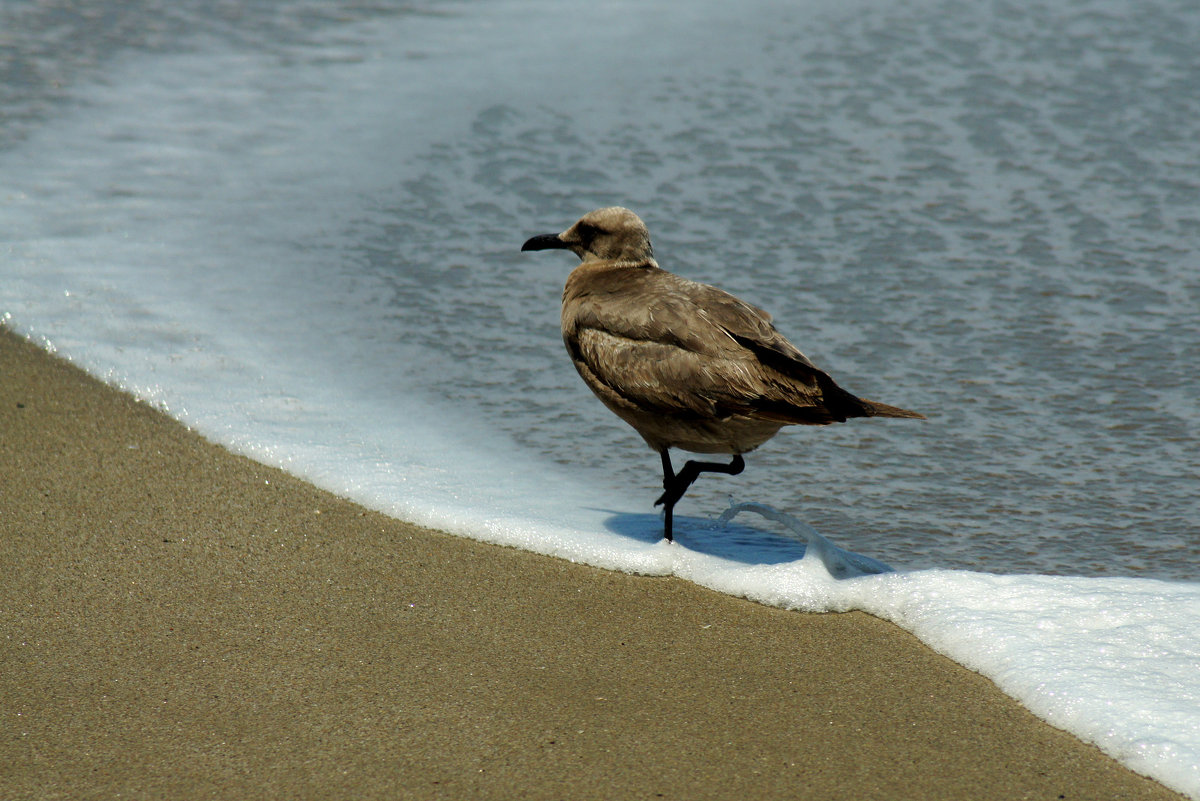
(184, 622)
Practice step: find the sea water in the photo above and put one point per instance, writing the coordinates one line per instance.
(296, 226)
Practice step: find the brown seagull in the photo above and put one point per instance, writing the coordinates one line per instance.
(688, 365)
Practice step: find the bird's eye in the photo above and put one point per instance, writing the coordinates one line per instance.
(587, 232)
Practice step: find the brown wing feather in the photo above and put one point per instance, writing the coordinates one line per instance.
(664, 378)
(678, 347)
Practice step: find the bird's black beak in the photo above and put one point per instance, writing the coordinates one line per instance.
(545, 242)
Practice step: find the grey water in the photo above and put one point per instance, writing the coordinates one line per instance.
(986, 212)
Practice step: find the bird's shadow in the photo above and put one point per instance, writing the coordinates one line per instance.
(748, 544)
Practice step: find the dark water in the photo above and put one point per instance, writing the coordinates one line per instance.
(987, 214)
(984, 212)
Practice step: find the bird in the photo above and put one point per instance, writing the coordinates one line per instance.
(687, 365)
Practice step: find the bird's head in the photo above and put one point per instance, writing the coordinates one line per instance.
(612, 234)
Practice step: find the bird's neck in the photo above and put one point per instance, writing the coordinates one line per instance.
(604, 275)
(631, 262)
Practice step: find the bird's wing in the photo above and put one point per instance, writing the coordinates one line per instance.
(688, 349)
(751, 328)
(808, 392)
(663, 378)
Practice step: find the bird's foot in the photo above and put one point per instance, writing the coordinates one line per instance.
(672, 492)
(676, 484)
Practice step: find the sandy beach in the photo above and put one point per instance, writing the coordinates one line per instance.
(180, 622)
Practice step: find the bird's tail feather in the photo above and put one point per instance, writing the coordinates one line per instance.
(876, 409)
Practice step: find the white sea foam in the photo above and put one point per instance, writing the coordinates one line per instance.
(200, 229)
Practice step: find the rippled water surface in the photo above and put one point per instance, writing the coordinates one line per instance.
(986, 215)
(984, 212)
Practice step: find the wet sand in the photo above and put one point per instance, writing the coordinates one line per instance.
(180, 622)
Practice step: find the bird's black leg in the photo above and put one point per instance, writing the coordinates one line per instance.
(675, 485)
(668, 482)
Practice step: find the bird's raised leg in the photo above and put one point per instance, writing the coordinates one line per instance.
(676, 484)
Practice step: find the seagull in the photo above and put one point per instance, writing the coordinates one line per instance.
(688, 365)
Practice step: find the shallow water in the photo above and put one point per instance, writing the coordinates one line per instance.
(296, 226)
(983, 214)
(947, 209)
